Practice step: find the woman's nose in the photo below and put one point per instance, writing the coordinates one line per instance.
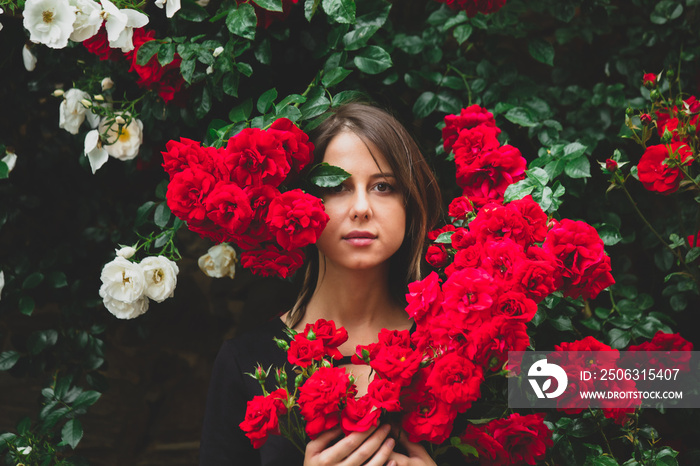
(360, 208)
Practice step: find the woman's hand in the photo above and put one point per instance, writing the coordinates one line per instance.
(371, 448)
(415, 454)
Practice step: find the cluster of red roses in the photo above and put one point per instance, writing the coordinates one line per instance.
(661, 167)
(234, 194)
(165, 80)
(472, 7)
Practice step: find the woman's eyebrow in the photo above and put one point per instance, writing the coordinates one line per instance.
(383, 175)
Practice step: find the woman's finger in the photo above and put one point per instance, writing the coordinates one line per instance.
(368, 446)
(321, 442)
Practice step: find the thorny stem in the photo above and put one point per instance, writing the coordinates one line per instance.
(464, 79)
(602, 432)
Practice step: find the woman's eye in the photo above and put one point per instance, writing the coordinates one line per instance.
(384, 187)
(334, 189)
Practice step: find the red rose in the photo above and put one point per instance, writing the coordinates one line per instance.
(516, 306)
(187, 193)
(256, 157)
(488, 345)
(469, 257)
(462, 238)
(459, 208)
(525, 438)
(654, 171)
(294, 141)
(181, 154)
(320, 399)
(610, 165)
(472, 142)
(491, 453)
(536, 278)
(99, 45)
(426, 416)
(258, 232)
(151, 72)
(500, 258)
(694, 240)
(585, 269)
(396, 362)
(262, 416)
(455, 380)
(384, 394)
(270, 260)
(469, 117)
(668, 343)
(433, 235)
(436, 256)
(486, 177)
(574, 363)
(296, 219)
(535, 218)
(229, 207)
(303, 352)
(645, 119)
(499, 222)
(330, 337)
(424, 297)
(469, 296)
(359, 415)
(649, 80)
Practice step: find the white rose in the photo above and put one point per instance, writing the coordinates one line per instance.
(107, 83)
(122, 280)
(171, 6)
(49, 22)
(28, 58)
(127, 252)
(219, 261)
(10, 160)
(96, 154)
(2, 281)
(1, 12)
(87, 21)
(123, 145)
(202, 3)
(161, 277)
(218, 51)
(121, 309)
(71, 112)
(119, 25)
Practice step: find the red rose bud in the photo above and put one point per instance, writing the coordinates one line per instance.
(649, 80)
(298, 380)
(311, 335)
(260, 374)
(645, 118)
(611, 165)
(281, 344)
(281, 377)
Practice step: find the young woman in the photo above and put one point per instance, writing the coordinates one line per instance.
(357, 276)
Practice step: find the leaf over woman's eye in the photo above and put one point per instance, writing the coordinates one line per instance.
(324, 175)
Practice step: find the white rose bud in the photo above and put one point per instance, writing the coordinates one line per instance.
(122, 280)
(2, 281)
(127, 252)
(28, 58)
(161, 277)
(10, 160)
(99, 97)
(86, 103)
(202, 3)
(218, 51)
(219, 261)
(120, 120)
(58, 93)
(107, 83)
(210, 69)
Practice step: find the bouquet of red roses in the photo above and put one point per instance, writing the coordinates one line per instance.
(240, 194)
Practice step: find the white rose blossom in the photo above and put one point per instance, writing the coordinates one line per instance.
(218, 51)
(123, 145)
(1, 12)
(10, 160)
(161, 277)
(107, 83)
(124, 310)
(28, 58)
(122, 280)
(96, 154)
(127, 252)
(219, 261)
(171, 6)
(71, 112)
(88, 19)
(49, 22)
(120, 25)
(2, 282)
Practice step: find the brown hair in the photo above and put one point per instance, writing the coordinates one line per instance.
(415, 179)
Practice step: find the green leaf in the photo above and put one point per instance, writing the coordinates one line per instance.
(40, 340)
(542, 51)
(86, 399)
(518, 190)
(8, 359)
(692, 255)
(187, 69)
(462, 32)
(190, 11)
(146, 52)
(242, 21)
(601, 461)
(266, 99)
(310, 7)
(324, 175)
(242, 111)
(617, 338)
(444, 238)
(32, 281)
(4, 170)
(521, 116)
(574, 150)
(26, 305)
(335, 76)
(166, 53)
(346, 96)
(540, 176)
(342, 11)
(561, 323)
(315, 106)
(609, 234)
(289, 112)
(230, 83)
(426, 104)
(412, 45)
(269, 5)
(143, 212)
(72, 432)
(357, 38)
(578, 168)
(161, 217)
(373, 60)
(24, 425)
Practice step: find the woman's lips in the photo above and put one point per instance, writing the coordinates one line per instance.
(360, 238)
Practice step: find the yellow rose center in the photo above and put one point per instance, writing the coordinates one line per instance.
(47, 16)
(124, 135)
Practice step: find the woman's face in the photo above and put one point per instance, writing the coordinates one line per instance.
(367, 213)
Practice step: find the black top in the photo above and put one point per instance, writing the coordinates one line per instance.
(223, 441)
